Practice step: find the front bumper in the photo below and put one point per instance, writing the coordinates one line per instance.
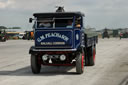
(35, 50)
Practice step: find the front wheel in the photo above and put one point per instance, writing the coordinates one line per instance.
(79, 63)
(35, 66)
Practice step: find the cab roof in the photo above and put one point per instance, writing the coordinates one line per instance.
(58, 14)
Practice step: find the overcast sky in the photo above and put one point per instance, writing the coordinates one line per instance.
(99, 13)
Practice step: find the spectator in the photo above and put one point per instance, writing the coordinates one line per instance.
(70, 24)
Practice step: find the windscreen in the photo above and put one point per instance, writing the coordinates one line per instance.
(66, 22)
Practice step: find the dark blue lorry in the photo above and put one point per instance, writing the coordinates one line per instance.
(61, 40)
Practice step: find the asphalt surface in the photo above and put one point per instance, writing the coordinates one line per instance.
(111, 66)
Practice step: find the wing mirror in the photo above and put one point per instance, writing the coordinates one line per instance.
(30, 20)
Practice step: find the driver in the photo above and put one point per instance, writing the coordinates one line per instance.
(45, 24)
(70, 24)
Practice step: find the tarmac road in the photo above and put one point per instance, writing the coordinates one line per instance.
(111, 66)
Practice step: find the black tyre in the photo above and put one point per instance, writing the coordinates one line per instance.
(79, 63)
(35, 66)
(86, 58)
(90, 59)
(91, 56)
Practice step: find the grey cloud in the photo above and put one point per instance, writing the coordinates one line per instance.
(3, 0)
(99, 13)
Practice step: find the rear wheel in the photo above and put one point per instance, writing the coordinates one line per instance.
(35, 66)
(90, 58)
(80, 63)
(86, 58)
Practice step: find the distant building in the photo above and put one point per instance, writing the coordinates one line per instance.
(91, 29)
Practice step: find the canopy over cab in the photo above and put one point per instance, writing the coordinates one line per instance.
(58, 19)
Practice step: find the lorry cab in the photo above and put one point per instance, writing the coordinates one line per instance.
(60, 40)
(55, 31)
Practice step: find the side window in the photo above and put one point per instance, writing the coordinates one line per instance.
(78, 22)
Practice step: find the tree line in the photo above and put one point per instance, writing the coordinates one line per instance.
(3, 27)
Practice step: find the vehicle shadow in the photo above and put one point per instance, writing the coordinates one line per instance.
(45, 71)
